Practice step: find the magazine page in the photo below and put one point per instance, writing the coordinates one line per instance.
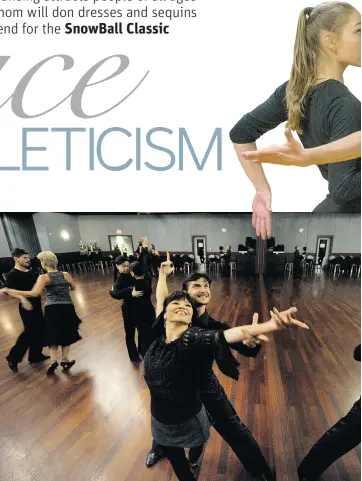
(180, 240)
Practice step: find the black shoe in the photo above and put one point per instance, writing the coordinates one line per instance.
(52, 368)
(153, 458)
(39, 359)
(66, 365)
(13, 366)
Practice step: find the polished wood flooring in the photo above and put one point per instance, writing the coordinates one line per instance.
(93, 424)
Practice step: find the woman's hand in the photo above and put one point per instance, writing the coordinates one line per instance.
(261, 219)
(144, 241)
(136, 293)
(166, 267)
(253, 341)
(290, 153)
(284, 319)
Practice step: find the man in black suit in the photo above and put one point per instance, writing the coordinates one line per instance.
(33, 337)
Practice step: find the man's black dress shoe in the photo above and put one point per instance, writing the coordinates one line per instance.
(13, 366)
(153, 458)
(39, 359)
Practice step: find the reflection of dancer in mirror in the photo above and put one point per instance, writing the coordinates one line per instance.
(61, 320)
(177, 364)
(201, 254)
(224, 417)
(33, 336)
(316, 104)
(337, 441)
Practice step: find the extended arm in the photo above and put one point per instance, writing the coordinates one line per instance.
(293, 153)
(35, 292)
(278, 321)
(244, 135)
(26, 304)
(162, 290)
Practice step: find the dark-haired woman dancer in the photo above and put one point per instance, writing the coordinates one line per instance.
(174, 366)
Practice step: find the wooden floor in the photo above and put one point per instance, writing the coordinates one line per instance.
(93, 424)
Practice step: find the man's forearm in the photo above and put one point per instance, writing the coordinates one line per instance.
(254, 171)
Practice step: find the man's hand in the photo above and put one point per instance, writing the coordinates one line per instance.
(137, 293)
(290, 153)
(284, 319)
(261, 337)
(26, 304)
(261, 219)
(166, 267)
(3, 291)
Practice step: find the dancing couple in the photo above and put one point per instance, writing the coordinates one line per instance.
(60, 324)
(186, 395)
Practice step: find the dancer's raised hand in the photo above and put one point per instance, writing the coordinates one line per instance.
(284, 319)
(253, 341)
(166, 267)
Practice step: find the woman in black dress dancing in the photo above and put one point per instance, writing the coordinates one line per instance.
(173, 368)
(61, 320)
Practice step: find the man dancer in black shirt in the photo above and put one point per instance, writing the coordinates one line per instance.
(33, 336)
(224, 417)
(124, 289)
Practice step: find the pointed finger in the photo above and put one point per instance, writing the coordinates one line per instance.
(300, 324)
(255, 318)
(268, 226)
(168, 256)
(284, 316)
(263, 228)
(288, 134)
(253, 220)
(257, 226)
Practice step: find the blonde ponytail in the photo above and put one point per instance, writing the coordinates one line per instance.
(329, 16)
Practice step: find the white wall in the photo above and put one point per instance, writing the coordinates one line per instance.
(173, 231)
(50, 226)
(170, 231)
(346, 229)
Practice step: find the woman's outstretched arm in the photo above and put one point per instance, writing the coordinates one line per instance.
(278, 321)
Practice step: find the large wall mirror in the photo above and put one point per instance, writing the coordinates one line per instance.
(121, 243)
